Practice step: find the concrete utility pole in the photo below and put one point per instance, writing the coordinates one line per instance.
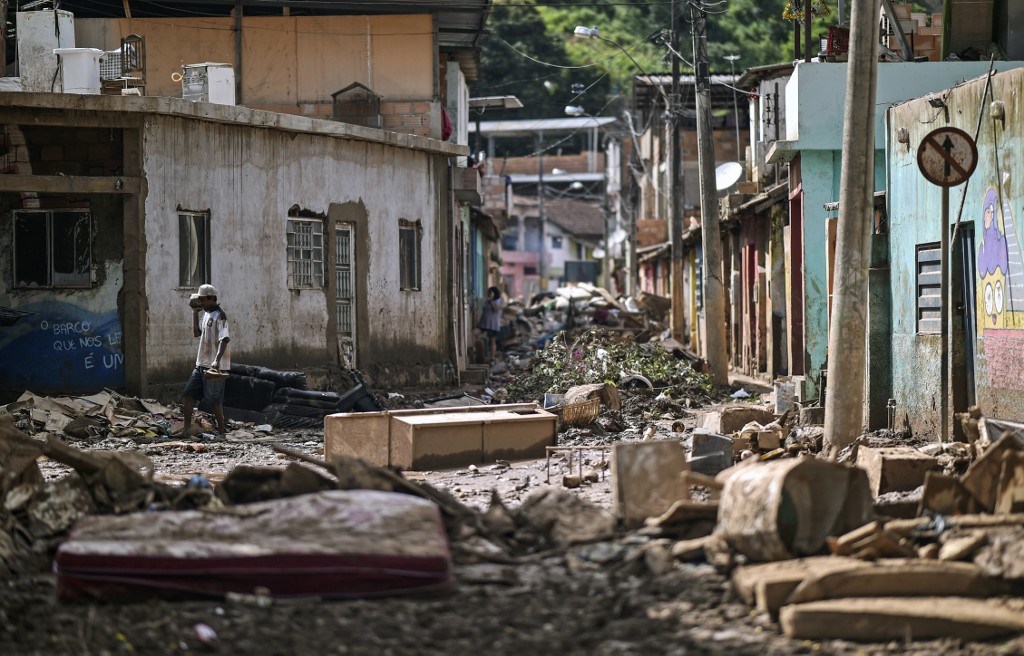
(675, 210)
(844, 400)
(714, 289)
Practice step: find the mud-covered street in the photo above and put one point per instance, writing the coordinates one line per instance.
(624, 592)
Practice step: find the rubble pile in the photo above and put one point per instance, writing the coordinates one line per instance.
(92, 417)
(951, 568)
(582, 306)
(35, 516)
(599, 356)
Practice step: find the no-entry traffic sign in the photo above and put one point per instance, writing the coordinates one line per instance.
(947, 156)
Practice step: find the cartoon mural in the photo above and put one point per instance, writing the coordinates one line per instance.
(60, 346)
(1000, 265)
(1001, 290)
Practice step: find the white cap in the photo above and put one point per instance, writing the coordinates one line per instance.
(207, 290)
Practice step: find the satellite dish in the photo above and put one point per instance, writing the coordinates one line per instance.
(728, 174)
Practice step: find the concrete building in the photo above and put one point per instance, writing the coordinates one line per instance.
(121, 206)
(986, 266)
(813, 149)
(338, 238)
(574, 228)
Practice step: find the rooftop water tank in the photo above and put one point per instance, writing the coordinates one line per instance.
(80, 69)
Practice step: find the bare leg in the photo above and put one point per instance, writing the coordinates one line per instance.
(218, 413)
(186, 408)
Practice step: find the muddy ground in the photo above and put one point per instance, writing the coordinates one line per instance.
(604, 598)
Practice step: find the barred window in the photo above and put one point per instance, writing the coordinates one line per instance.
(409, 233)
(305, 254)
(52, 248)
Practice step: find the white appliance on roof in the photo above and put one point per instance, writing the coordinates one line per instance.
(208, 82)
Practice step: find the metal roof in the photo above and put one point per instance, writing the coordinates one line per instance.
(753, 75)
(529, 127)
(554, 178)
(645, 90)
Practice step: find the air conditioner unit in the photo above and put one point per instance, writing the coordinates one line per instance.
(208, 82)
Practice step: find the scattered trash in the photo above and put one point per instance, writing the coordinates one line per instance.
(740, 394)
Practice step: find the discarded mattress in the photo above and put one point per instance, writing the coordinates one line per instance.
(337, 543)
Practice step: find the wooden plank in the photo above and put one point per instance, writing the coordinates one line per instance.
(747, 579)
(70, 184)
(900, 618)
(901, 578)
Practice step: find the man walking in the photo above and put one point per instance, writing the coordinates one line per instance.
(210, 325)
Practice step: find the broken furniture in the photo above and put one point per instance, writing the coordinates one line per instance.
(441, 437)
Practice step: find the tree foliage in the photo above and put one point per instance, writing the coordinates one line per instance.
(753, 29)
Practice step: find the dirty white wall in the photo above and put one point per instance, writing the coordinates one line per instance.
(248, 178)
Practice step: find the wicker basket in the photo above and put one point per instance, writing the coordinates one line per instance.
(583, 413)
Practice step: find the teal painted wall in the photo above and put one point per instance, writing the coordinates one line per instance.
(915, 211)
(815, 97)
(821, 173)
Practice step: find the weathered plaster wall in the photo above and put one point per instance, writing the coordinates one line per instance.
(915, 211)
(72, 339)
(248, 178)
(285, 59)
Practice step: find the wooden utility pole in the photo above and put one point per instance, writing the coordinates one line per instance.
(714, 290)
(675, 198)
(844, 400)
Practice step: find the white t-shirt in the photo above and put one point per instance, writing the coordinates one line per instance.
(214, 328)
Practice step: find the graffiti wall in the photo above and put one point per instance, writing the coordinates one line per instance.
(61, 347)
(1000, 289)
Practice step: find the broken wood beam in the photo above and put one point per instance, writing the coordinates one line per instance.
(886, 618)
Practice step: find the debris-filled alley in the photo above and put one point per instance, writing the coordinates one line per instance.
(512, 327)
(657, 515)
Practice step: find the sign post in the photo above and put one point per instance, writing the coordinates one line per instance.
(947, 157)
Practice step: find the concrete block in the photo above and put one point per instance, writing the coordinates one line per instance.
(812, 416)
(646, 479)
(768, 440)
(894, 469)
(358, 435)
(731, 419)
(706, 442)
(711, 452)
(711, 464)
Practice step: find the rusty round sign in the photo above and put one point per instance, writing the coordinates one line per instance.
(947, 156)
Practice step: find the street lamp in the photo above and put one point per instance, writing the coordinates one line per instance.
(735, 109)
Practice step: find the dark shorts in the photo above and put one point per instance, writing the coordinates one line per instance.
(493, 334)
(201, 389)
